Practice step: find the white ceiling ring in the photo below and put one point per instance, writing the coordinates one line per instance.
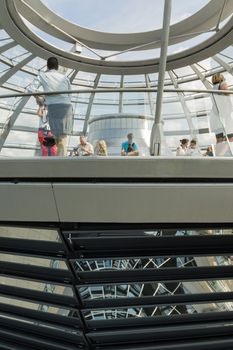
(202, 21)
(12, 22)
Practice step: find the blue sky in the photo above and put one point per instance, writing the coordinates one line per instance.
(122, 15)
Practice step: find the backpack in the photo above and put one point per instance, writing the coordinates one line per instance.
(130, 148)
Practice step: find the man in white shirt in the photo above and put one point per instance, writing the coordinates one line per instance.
(193, 149)
(60, 112)
(183, 148)
(84, 148)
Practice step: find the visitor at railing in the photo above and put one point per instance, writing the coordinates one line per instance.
(101, 149)
(221, 118)
(60, 112)
(193, 149)
(183, 148)
(129, 148)
(83, 149)
(209, 152)
(45, 136)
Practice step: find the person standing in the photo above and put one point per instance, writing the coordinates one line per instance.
(221, 118)
(60, 111)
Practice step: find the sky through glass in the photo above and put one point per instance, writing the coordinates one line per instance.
(122, 15)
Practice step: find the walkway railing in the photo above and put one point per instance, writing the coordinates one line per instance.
(200, 114)
(113, 90)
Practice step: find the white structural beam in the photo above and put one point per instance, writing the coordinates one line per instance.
(149, 94)
(15, 69)
(16, 28)
(201, 77)
(184, 106)
(120, 109)
(156, 132)
(7, 46)
(222, 63)
(6, 130)
(41, 16)
(90, 104)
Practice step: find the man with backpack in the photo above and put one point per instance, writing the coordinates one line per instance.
(129, 148)
(60, 112)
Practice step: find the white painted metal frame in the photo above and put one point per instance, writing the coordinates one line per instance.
(16, 28)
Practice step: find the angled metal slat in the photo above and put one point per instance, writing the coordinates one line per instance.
(28, 341)
(9, 346)
(37, 248)
(90, 247)
(46, 317)
(37, 296)
(156, 275)
(37, 331)
(223, 343)
(160, 333)
(35, 272)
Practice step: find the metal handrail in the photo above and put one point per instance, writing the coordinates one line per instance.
(113, 90)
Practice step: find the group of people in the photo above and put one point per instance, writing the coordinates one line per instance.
(187, 148)
(128, 148)
(221, 124)
(56, 115)
(191, 149)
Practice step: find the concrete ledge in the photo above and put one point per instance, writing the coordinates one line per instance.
(117, 167)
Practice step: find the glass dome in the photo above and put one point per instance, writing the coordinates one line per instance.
(106, 16)
(185, 114)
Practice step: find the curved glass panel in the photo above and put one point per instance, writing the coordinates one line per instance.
(140, 15)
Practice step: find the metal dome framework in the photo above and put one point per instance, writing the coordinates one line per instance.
(20, 63)
(207, 19)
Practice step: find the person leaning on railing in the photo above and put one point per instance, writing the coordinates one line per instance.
(102, 149)
(84, 148)
(182, 150)
(129, 148)
(209, 152)
(193, 149)
(60, 112)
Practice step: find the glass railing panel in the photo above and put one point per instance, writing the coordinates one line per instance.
(205, 117)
